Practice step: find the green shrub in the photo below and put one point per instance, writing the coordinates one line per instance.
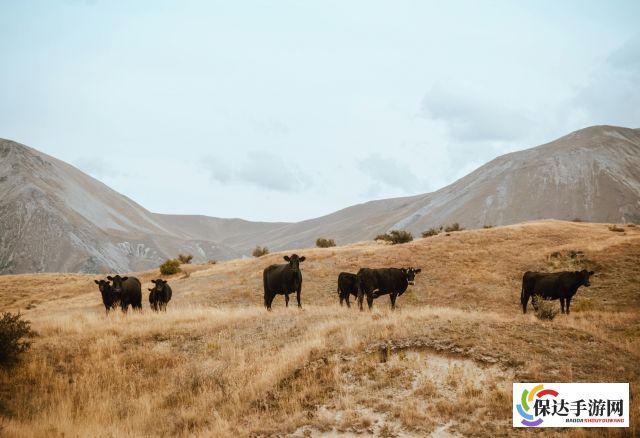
(170, 267)
(544, 309)
(431, 232)
(615, 228)
(396, 236)
(260, 251)
(576, 219)
(13, 330)
(453, 227)
(185, 259)
(487, 226)
(321, 242)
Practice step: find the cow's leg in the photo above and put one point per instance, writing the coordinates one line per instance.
(298, 298)
(271, 297)
(568, 303)
(347, 300)
(562, 305)
(524, 299)
(286, 300)
(393, 297)
(360, 298)
(370, 300)
(341, 299)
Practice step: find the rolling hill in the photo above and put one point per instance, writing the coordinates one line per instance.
(218, 364)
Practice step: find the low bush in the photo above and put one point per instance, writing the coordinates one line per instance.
(453, 227)
(321, 242)
(396, 236)
(170, 267)
(431, 232)
(185, 258)
(544, 309)
(616, 228)
(259, 251)
(13, 331)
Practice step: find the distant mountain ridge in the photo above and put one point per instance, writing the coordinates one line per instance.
(53, 217)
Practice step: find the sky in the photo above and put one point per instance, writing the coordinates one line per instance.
(289, 110)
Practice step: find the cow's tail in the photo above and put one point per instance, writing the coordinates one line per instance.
(266, 295)
(524, 297)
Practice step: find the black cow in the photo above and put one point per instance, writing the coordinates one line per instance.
(160, 295)
(283, 280)
(551, 286)
(109, 299)
(128, 290)
(347, 285)
(376, 282)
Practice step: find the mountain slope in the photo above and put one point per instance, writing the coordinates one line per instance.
(592, 174)
(53, 217)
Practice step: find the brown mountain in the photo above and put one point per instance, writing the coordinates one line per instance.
(55, 218)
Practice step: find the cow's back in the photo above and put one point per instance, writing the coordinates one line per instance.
(273, 277)
(389, 279)
(131, 288)
(347, 282)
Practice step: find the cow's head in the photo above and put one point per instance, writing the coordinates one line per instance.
(104, 286)
(117, 284)
(584, 277)
(294, 261)
(410, 273)
(160, 285)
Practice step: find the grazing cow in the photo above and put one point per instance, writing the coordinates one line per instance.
(128, 290)
(551, 286)
(347, 285)
(283, 280)
(109, 299)
(160, 295)
(376, 282)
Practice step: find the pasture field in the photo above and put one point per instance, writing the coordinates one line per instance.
(218, 364)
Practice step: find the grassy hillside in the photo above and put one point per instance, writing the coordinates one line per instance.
(218, 364)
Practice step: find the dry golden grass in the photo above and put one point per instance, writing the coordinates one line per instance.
(218, 364)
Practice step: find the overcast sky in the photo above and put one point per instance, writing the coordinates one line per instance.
(278, 110)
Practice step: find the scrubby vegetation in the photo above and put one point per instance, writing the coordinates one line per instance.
(260, 251)
(321, 242)
(616, 228)
(170, 267)
(453, 227)
(545, 310)
(185, 258)
(14, 332)
(431, 232)
(395, 237)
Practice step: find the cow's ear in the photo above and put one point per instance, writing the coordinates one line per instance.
(97, 282)
(418, 270)
(153, 281)
(125, 278)
(286, 258)
(302, 259)
(109, 277)
(591, 272)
